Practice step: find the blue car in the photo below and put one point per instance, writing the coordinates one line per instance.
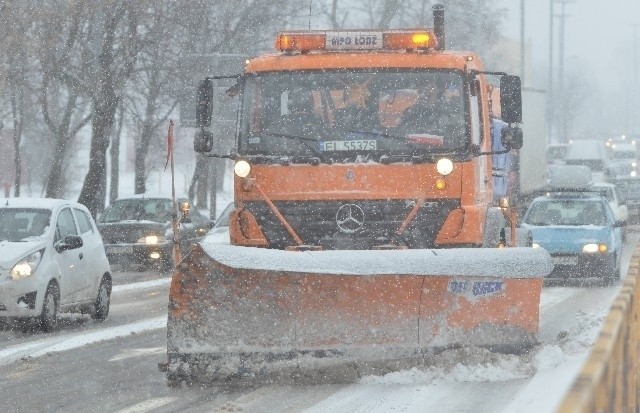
(580, 232)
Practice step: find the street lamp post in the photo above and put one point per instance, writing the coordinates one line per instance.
(563, 106)
(634, 84)
(522, 45)
(550, 80)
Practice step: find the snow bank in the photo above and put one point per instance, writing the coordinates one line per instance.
(473, 364)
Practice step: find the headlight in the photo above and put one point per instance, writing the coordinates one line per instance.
(26, 266)
(591, 248)
(151, 239)
(535, 245)
(242, 169)
(444, 166)
(634, 164)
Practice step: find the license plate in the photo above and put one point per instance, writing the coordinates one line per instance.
(350, 145)
(565, 260)
(120, 250)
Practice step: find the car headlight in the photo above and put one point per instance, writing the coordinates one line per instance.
(26, 266)
(444, 166)
(151, 239)
(242, 168)
(593, 247)
(634, 164)
(535, 245)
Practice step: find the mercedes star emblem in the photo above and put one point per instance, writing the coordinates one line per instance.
(350, 218)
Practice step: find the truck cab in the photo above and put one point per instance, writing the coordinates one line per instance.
(366, 139)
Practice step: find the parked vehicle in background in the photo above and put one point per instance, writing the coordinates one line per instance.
(624, 155)
(624, 139)
(587, 152)
(52, 260)
(629, 189)
(620, 170)
(580, 232)
(137, 230)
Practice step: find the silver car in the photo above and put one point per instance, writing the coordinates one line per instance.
(52, 260)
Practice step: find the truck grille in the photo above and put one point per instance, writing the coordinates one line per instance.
(352, 224)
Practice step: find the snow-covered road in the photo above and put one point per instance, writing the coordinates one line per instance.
(115, 362)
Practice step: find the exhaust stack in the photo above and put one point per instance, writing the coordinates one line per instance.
(438, 25)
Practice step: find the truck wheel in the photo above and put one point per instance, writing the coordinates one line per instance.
(50, 305)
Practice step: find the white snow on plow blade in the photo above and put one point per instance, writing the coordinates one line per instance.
(71, 341)
(484, 262)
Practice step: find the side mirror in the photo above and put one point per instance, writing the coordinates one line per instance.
(204, 107)
(512, 137)
(511, 99)
(71, 242)
(203, 141)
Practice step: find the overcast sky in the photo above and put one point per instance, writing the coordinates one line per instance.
(598, 39)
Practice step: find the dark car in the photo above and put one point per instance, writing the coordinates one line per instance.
(138, 231)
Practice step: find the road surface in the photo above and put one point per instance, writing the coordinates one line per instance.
(112, 366)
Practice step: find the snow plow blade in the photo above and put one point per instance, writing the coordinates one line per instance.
(247, 312)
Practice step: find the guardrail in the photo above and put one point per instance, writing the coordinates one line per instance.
(608, 381)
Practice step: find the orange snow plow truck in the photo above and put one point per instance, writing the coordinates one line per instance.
(363, 231)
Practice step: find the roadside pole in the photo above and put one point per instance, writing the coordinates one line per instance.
(177, 255)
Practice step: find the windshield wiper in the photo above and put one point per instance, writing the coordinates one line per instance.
(300, 139)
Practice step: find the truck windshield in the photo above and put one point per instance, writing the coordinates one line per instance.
(330, 113)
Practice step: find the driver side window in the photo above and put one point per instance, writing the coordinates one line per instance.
(65, 225)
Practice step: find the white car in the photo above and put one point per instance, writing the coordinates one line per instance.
(51, 260)
(612, 195)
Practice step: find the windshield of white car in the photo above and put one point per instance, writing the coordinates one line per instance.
(18, 224)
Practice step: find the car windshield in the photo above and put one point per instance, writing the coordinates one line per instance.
(158, 210)
(313, 113)
(17, 224)
(566, 212)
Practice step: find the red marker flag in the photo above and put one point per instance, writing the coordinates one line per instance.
(169, 144)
